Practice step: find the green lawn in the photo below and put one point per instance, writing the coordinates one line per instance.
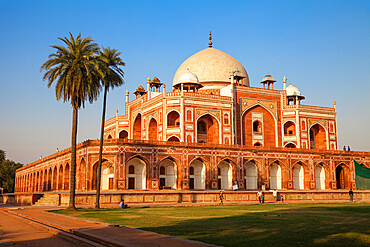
(335, 224)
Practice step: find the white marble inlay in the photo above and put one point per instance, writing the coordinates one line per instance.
(173, 131)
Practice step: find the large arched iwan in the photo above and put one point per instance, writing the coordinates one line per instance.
(268, 127)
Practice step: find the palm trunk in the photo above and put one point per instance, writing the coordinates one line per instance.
(72, 181)
(98, 170)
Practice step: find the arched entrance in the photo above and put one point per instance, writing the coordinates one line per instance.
(81, 175)
(225, 175)
(275, 176)
(207, 130)
(153, 130)
(137, 128)
(136, 174)
(342, 177)
(167, 174)
(250, 175)
(320, 177)
(298, 177)
(60, 178)
(107, 175)
(55, 178)
(66, 177)
(197, 175)
(317, 137)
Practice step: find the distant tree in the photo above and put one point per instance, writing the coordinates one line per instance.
(76, 70)
(113, 77)
(7, 173)
(2, 155)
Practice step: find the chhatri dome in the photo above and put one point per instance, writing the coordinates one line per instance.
(212, 67)
(292, 91)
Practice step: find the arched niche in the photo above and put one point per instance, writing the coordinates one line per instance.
(107, 175)
(298, 177)
(173, 139)
(289, 128)
(320, 177)
(197, 175)
(136, 174)
(66, 177)
(207, 129)
(342, 175)
(275, 176)
(250, 175)
(268, 126)
(225, 175)
(123, 134)
(153, 130)
(317, 137)
(173, 119)
(137, 128)
(167, 174)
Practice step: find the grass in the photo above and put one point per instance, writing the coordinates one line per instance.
(335, 224)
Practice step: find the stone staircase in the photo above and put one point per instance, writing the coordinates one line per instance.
(48, 200)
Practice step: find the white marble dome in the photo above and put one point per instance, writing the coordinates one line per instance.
(292, 91)
(187, 77)
(212, 67)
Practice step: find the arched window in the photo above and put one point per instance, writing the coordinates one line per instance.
(226, 118)
(109, 137)
(289, 128)
(227, 141)
(188, 115)
(257, 144)
(131, 169)
(173, 119)
(303, 125)
(189, 138)
(257, 127)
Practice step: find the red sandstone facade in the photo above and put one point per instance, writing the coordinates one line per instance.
(209, 133)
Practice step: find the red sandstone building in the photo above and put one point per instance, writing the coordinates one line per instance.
(211, 132)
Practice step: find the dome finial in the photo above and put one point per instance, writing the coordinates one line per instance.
(210, 40)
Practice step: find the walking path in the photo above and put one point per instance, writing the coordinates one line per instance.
(99, 232)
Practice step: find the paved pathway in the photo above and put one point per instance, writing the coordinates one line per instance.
(16, 231)
(100, 232)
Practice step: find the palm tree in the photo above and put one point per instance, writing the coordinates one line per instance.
(113, 77)
(75, 68)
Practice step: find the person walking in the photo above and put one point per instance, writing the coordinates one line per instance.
(221, 198)
(259, 194)
(263, 197)
(349, 149)
(350, 193)
(344, 148)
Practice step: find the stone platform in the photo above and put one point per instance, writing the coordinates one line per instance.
(177, 196)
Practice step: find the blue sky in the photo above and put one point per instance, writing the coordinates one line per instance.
(322, 47)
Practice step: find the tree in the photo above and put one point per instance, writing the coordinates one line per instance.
(113, 77)
(7, 173)
(75, 68)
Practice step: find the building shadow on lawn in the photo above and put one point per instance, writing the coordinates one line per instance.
(309, 226)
